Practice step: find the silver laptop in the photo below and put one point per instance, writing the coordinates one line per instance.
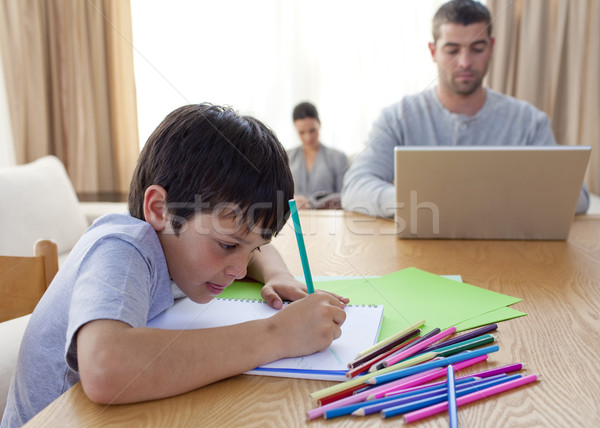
(485, 192)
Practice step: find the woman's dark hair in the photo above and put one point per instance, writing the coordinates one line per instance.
(304, 110)
(463, 12)
(207, 157)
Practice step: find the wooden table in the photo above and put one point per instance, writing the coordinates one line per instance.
(559, 282)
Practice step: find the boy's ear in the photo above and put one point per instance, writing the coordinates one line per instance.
(155, 210)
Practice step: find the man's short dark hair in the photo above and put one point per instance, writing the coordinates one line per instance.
(207, 156)
(463, 12)
(304, 110)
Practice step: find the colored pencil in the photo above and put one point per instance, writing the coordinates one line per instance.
(416, 379)
(423, 377)
(443, 398)
(414, 349)
(384, 349)
(419, 340)
(438, 362)
(406, 390)
(364, 388)
(469, 398)
(403, 406)
(361, 383)
(415, 395)
(368, 364)
(440, 372)
(470, 335)
(303, 257)
(499, 370)
(339, 395)
(391, 338)
(361, 380)
(457, 366)
(452, 413)
(464, 346)
(440, 392)
(441, 383)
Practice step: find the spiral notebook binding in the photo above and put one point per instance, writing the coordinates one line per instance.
(363, 305)
(252, 300)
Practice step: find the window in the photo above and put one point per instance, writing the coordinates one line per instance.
(350, 58)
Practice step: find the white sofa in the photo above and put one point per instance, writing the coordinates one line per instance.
(38, 201)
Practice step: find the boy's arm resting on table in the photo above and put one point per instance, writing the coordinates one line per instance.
(122, 364)
(267, 267)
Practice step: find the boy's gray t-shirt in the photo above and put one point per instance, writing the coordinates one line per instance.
(116, 271)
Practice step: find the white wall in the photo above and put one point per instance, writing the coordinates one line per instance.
(351, 58)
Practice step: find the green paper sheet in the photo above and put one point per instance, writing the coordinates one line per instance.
(410, 295)
(491, 317)
(242, 290)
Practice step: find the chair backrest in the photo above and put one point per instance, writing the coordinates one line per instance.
(24, 280)
(39, 202)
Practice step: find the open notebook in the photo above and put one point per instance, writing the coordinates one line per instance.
(359, 331)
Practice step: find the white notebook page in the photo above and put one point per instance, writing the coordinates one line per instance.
(359, 331)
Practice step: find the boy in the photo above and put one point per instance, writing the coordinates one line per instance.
(209, 192)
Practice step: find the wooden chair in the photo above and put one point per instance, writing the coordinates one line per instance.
(24, 280)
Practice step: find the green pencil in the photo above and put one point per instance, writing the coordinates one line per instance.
(298, 229)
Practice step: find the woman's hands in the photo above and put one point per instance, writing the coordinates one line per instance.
(302, 202)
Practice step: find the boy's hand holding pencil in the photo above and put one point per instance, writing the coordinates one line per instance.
(314, 319)
(308, 325)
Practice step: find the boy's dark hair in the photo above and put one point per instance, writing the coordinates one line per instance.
(463, 12)
(304, 110)
(207, 156)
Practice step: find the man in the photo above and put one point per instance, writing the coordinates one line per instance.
(458, 112)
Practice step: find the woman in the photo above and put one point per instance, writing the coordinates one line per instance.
(318, 170)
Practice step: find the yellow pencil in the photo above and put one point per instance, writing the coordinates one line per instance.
(390, 339)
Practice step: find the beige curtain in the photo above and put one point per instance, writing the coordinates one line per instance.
(547, 52)
(68, 66)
